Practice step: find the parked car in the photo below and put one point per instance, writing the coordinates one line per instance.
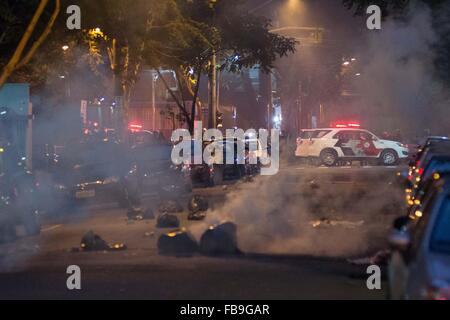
(18, 192)
(432, 150)
(424, 145)
(218, 170)
(419, 267)
(331, 145)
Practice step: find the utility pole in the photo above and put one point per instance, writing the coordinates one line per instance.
(154, 78)
(213, 92)
(270, 103)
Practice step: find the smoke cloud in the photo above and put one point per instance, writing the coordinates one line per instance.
(400, 88)
(282, 215)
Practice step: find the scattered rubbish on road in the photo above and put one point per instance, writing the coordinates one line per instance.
(139, 214)
(198, 204)
(314, 185)
(220, 240)
(179, 243)
(197, 216)
(93, 242)
(381, 258)
(325, 222)
(134, 213)
(170, 206)
(167, 221)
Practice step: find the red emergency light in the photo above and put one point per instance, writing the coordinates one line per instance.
(352, 124)
(135, 127)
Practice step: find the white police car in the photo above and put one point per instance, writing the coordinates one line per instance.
(330, 145)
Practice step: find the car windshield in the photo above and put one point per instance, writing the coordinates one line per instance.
(440, 239)
(314, 134)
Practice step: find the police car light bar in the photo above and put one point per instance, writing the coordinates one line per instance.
(347, 125)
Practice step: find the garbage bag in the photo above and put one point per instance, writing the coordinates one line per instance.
(220, 240)
(167, 221)
(177, 243)
(198, 204)
(93, 242)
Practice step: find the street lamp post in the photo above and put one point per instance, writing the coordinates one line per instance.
(213, 93)
(154, 78)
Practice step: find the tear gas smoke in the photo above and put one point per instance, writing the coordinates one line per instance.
(275, 215)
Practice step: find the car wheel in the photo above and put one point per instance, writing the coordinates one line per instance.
(389, 158)
(329, 158)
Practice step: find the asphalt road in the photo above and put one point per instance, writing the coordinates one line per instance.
(343, 214)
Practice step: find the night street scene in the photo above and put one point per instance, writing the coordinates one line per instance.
(224, 150)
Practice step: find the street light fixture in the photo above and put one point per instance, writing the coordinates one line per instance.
(65, 47)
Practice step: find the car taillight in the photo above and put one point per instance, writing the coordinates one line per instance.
(438, 292)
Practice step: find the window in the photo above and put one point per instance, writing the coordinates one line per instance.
(314, 134)
(345, 135)
(440, 238)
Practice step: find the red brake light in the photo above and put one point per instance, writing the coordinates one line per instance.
(421, 171)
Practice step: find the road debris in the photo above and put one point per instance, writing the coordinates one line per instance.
(93, 242)
(197, 208)
(220, 240)
(167, 221)
(381, 258)
(170, 206)
(325, 222)
(179, 243)
(197, 204)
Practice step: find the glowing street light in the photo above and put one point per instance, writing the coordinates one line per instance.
(65, 47)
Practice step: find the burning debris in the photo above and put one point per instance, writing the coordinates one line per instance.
(93, 242)
(197, 208)
(220, 240)
(179, 243)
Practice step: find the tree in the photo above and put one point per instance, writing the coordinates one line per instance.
(122, 34)
(19, 58)
(223, 28)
